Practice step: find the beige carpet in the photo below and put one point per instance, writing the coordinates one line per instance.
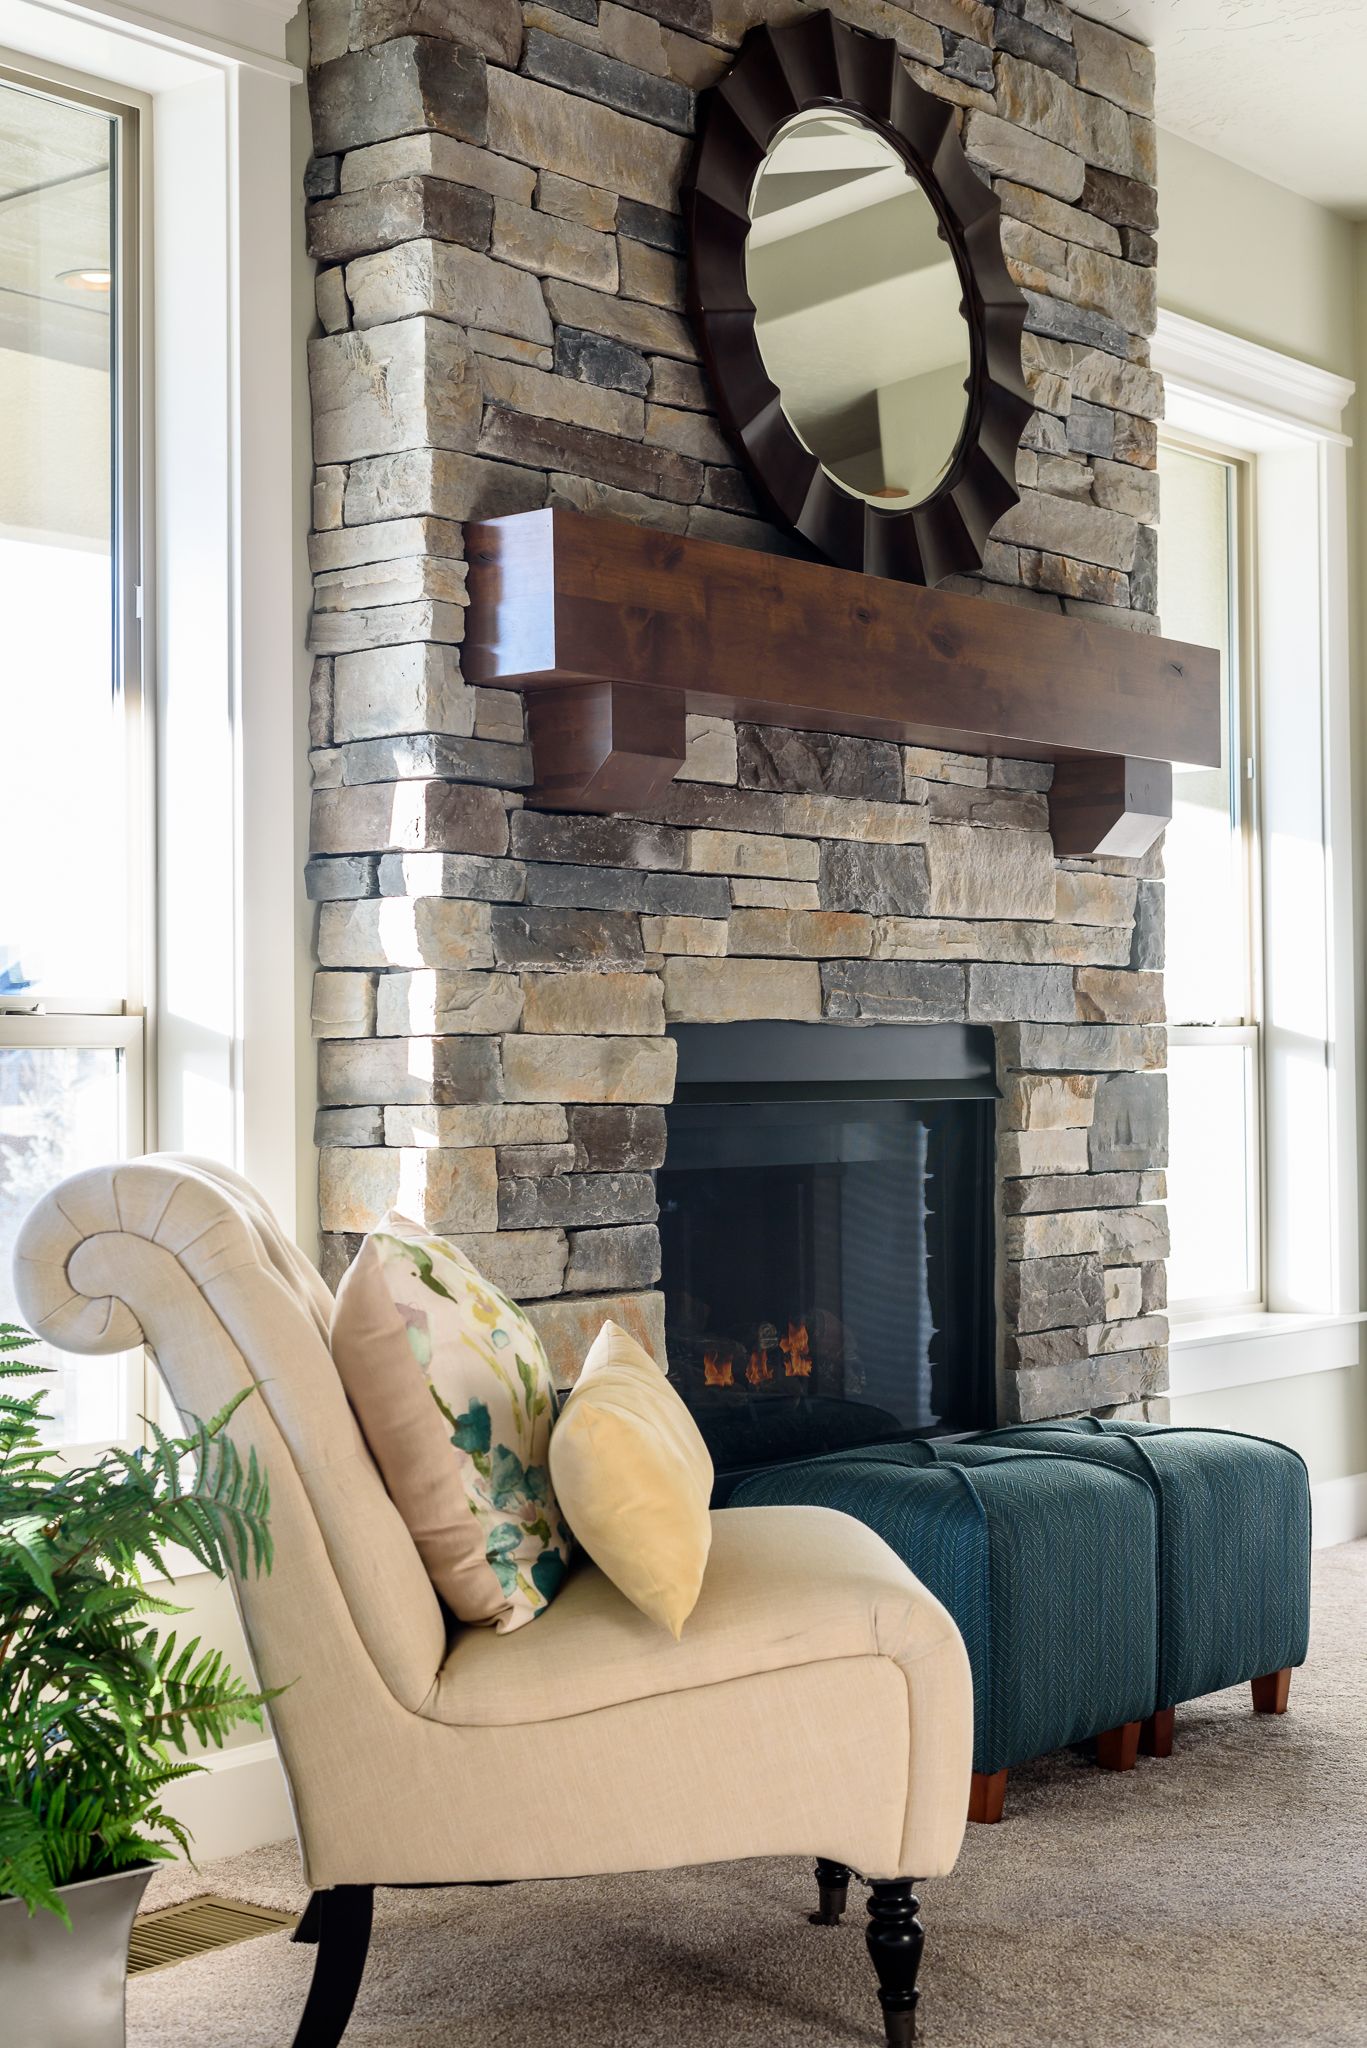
(1217, 1898)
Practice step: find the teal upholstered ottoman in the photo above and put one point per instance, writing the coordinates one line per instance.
(1047, 1564)
(1233, 1553)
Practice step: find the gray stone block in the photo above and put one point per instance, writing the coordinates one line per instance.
(356, 1126)
(883, 881)
(556, 61)
(666, 895)
(1124, 202)
(596, 359)
(1130, 1127)
(1081, 1191)
(536, 937)
(451, 874)
(1081, 1048)
(1091, 1383)
(1053, 1294)
(595, 842)
(378, 216)
(398, 1070)
(413, 83)
(617, 1137)
(625, 1257)
(1023, 39)
(1001, 994)
(331, 881)
(1064, 322)
(823, 764)
(576, 1200)
(560, 884)
(653, 224)
(894, 991)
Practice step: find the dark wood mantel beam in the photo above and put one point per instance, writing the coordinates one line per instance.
(616, 631)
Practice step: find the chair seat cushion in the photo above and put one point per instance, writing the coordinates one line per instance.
(1234, 1543)
(784, 1587)
(1050, 1576)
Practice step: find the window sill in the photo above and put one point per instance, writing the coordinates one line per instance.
(1210, 1353)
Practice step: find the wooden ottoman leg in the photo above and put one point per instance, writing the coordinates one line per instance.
(1155, 1734)
(1271, 1693)
(833, 1888)
(1117, 1748)
(987, 1796)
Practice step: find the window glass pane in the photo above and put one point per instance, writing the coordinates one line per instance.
(1211, 1092)
(1207, 925)
(61, 1109)
(62, 822)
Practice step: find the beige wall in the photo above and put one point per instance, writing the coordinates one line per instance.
(1262, 263)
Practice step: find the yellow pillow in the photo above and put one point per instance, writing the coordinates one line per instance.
(633, 1479)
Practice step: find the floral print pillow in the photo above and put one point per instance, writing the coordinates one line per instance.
(454, 1396)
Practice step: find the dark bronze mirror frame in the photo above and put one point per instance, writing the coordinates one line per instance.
(780, 72)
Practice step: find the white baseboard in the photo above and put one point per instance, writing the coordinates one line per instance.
(238, 1802)
(1338, 1510)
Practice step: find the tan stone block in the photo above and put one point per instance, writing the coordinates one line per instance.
(522, 1263)
(1048, 1102)
(590, 1005)
(1069, 222)
(1104, 1338)
(758, 892)
(563, 398)
(447, 1191)
(440, 481)
(1022, 1152)
(978, 873)
(1125, 292)
(405, 931)
(500, 715)
(752, 853)
(711, 755)
(567, 1327)
(1108, 996)
(1113, 65)
(329, 485)
(1131, 1237)
(391, 625)
(653, 275)
(437, 156)
(933, 765)
(409, 817)
(330, 299)
(856, 817)
(553, 247)
(453, 284)
(728, 991)
(385, 583)
(383, 691)
(343, 1005)
(1124, 1292)
(1009, 150)
(457, 1125)
(1032, 98)
(653, 329)
(581, 139)
(437, 1001)
(800, 934)
(1072, 1233)
(1082, 896)
(561, 1069)
(1066, 526)
(387, 540)
(693, 935)
(568, 199)
(404, 383)
(688, 433)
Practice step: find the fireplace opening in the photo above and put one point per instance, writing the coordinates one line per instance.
(826, 1227)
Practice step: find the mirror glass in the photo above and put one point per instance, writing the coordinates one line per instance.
(857, 307)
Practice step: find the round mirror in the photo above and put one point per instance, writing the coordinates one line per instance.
(858, 313)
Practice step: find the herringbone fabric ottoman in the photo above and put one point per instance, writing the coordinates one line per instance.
(1046, 1563)
(1233, 1549)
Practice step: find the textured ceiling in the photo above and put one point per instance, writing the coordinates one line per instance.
(1276, 85)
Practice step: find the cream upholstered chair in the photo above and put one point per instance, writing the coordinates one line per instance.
(421, 1753)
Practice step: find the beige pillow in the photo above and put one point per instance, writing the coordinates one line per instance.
(454, 1397)
(633, 1479)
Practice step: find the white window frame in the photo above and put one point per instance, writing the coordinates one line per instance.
(1285, 418)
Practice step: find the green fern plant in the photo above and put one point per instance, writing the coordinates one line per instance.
(96, 1706)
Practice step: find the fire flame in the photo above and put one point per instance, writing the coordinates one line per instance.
(716, 1372)
(759, 1369)
(797, 1352)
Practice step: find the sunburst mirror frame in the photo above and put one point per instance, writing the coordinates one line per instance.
(820, 62)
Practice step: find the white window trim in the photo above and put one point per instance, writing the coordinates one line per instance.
(223, 625)
(1286, 417)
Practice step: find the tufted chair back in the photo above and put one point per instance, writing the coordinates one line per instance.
(182, 1255)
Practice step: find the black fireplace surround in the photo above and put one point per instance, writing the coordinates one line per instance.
(826, 1226)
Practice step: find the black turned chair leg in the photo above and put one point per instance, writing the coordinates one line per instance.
(896, 1937)
(310, 1920)
(833, 1885)
(343, 1938)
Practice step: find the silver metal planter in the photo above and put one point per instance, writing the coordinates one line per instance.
(63, 1987)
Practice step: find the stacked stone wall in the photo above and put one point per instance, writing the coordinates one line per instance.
(493, 205)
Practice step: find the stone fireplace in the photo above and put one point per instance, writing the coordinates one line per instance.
(494, 208)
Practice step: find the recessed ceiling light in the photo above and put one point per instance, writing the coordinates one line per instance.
(88, 277)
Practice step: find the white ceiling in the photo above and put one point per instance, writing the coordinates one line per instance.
(1275, 85)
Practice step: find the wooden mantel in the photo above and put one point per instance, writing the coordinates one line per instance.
(618, 631)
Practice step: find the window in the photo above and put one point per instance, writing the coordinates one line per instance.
(72, 854)
(1214, 1063)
